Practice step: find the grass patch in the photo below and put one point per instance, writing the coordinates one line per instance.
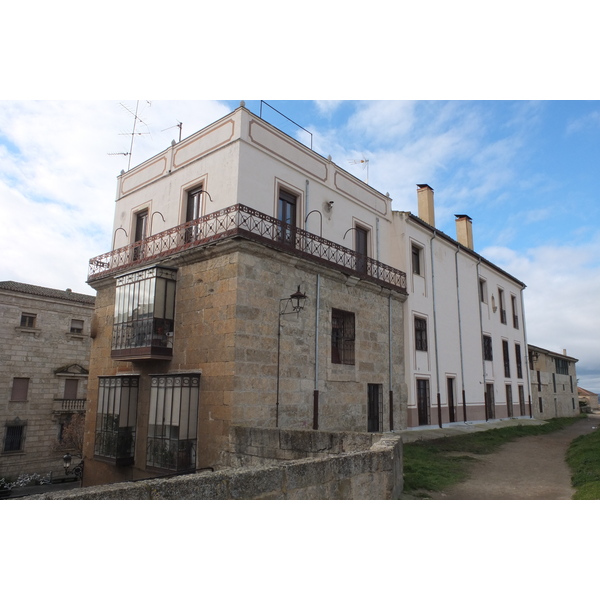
(434, 464)
(583, 457)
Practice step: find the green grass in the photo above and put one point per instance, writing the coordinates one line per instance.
(436, 464)
(583, 457)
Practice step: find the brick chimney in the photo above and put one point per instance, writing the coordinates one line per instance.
(426, 207)
(464, 230)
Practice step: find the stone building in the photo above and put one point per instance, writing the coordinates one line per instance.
(464, 325)
(251, 283)
(44, 361)
(553, 383)
(590, 399)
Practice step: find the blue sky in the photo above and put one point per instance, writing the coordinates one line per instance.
(526, 172)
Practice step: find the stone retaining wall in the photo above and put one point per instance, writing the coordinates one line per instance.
(371, 470)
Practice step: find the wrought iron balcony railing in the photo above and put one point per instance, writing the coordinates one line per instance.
(241, 221)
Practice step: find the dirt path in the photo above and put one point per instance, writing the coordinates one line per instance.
(530, 468)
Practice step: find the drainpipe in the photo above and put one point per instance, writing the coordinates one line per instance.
(316, 387)
(526, 354)
(460, 343)
(390, 362)
(481, 336)
(437, 366)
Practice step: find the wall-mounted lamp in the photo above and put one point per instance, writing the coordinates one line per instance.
(115, 236)
(287, 306)
(319, 213)
(351, 228)
(77, 470)
(156, 212)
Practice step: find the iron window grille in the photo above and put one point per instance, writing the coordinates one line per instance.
(515, 315)
(173, 422)
(144, 314)
(342, 337)
(420, 334)
(487, 348)
(423, 401)
(116, 418)
(14, 437)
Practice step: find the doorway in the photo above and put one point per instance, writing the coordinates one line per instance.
(423, 401)
(375, 407)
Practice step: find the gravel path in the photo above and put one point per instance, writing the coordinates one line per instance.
(530, 468)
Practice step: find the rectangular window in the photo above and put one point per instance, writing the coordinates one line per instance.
(483, 291)
(375, 407)
(502, 307)
(287, 214)
(116, 417)
(416, 260)
(571, 380)
(342, 337)
(76, 326)
(20, 389)
(519, 363)
(487, 348)
(515, 315)
(361, 245)
(71, 387)
(144, 314)
(28, 320)
(173, 421)
(541, 404)
(509, 401)
(562, 366)
(14, 436)
(193, 211)
(554, 382)
(522, 400)
(420, 334)
(140, 234)
(506, 357)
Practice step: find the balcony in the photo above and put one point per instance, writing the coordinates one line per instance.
(240, 221)
(62, 405)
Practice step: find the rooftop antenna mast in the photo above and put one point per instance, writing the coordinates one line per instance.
(179, 125)
(133, 133)
(365, 162)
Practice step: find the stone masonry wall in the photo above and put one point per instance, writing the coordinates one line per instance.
(370, 474)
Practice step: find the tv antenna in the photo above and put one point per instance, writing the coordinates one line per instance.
(133, 133)
(179, 125)
(364, 162)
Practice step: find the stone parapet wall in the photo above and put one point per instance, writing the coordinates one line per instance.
(372, 473)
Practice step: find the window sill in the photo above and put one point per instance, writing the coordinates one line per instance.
(33, 330)
(75, 336)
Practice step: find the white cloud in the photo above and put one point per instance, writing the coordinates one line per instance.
(58, 183)
(561, 300)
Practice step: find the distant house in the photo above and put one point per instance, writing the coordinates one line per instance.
(44, 360)
(553, 383)
(588, 397)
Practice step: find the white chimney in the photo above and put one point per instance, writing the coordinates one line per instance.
(426, 207)
(464, 230)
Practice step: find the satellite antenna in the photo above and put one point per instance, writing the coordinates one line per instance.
(365, 162)
(133, 133)
(179, 125)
